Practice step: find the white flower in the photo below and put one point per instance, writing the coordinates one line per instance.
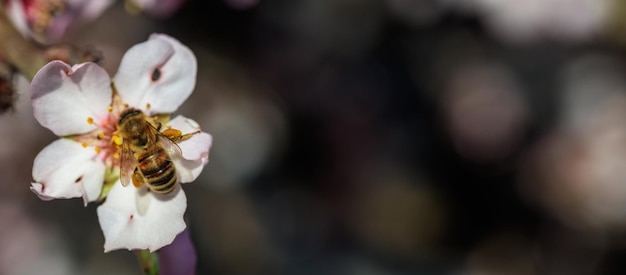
(82, 105)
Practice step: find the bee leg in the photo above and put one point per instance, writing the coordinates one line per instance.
(188, 135)
(177, 135)
(137, 179)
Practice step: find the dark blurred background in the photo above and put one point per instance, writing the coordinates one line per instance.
(370, 137)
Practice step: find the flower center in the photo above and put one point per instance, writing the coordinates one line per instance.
(104, 139)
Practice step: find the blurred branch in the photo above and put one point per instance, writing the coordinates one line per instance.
(72, 54)
(18, 51)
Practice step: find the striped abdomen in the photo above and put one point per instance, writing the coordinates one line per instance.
(157, 169)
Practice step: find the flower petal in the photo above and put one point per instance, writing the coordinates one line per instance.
(64, 169)
(156, 76)
(155, 226)
(188, 170)
(64, 97)
(17, 15)
(197, 146)
(195, 149)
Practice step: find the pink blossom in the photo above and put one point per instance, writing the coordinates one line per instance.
(47, 20)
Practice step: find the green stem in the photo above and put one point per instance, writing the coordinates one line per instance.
(111, 177)
(149, 262)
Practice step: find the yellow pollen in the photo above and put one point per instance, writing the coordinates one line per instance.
(100, 135)
(172, 133)
(117, 140)
(110, 109)
(97, 149)
(147, 106)
(90, 120)
(116, 156)
(84, 144)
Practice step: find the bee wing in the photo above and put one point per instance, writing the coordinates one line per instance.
(171, 148)
(127, 163)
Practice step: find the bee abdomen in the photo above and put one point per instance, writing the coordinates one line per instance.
(159, 172)
(162, 180)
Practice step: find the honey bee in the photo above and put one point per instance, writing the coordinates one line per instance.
(147, 154)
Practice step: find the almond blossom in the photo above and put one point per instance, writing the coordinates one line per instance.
(82, 105)
(46, 20)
